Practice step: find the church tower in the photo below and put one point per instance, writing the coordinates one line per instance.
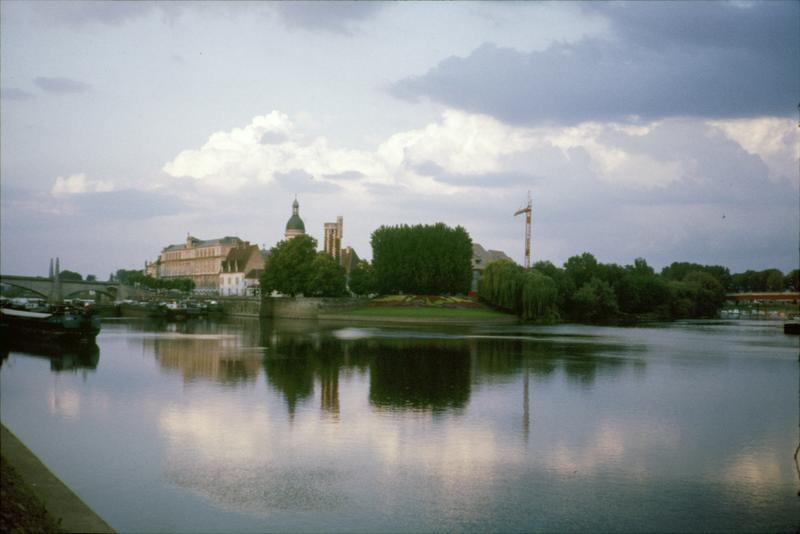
(295, 226)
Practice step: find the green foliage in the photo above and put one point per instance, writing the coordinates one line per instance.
(760, 281)
(138, 278)
(289, 267)
(595, 301)
(422, 259)
(680, 270)
(539, 299)
(792, 281)
(69, 276)
(501, 285)
(327, 277)
(362, 279)
(530, 294)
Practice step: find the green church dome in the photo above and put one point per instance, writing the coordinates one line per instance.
(295, 222)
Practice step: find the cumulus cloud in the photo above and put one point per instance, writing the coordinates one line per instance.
(459, 144)
(61, 85)
(714, 60)
(78, 184)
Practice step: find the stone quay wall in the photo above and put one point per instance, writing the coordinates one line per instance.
(306, 308)
(241, 306)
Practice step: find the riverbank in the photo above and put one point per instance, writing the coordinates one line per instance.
(43, 503)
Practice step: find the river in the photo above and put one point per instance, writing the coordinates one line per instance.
(293, 426)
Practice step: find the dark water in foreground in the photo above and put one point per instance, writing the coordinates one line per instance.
(295, 426)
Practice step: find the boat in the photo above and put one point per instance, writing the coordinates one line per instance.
(59, 325)
(791, 328)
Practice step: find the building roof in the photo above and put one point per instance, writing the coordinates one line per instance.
(482, 257)
(254, 274)
(237, 258)
(349, 259)
(196, 243)
(295, 223)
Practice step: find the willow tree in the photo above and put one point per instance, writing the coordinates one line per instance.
(539, 300)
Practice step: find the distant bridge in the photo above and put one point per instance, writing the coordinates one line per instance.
(43, 286)
(764, 297)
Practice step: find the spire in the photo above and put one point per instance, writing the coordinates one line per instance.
(55, 290)
(50, 276)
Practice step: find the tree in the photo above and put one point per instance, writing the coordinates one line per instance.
(792, 281)
(362, 279)
(774, 281)
(539, 297)
(709, 295)
(327, 277)
(581, 269)
(66, 275)
(424, 259)
(289, 266)
(595, 301)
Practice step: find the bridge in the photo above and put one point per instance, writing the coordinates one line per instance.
(765, 296)
(45, 287)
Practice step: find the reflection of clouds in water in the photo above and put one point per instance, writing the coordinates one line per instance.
(611, 444)
(246, 461)
(65, 403)
(259, 488)
(756, 470)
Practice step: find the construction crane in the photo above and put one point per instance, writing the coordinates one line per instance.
(527, 211)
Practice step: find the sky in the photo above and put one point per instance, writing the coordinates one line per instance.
(667, 131)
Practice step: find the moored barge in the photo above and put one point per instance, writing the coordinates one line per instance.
(60, 325)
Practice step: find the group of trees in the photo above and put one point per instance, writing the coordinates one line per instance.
(134, 277)
(421, 259)
(589, 291)
(294, 267)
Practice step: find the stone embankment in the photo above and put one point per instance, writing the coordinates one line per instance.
(66, 508)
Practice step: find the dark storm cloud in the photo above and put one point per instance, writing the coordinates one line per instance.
(61, 85)
(110, 13)
(335, 17)
(12, 93)
(663, 59)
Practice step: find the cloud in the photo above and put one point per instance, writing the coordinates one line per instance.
(80, 13)
(75, 184)
(459, 144)
(12, 93)
(61, 85)
(732, 62)
(335, 17)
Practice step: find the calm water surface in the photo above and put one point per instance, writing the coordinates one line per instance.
(292, 426)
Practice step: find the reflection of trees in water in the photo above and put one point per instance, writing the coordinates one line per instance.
(502, 359)
(294, 361)
(69, 358)
(420, 375)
